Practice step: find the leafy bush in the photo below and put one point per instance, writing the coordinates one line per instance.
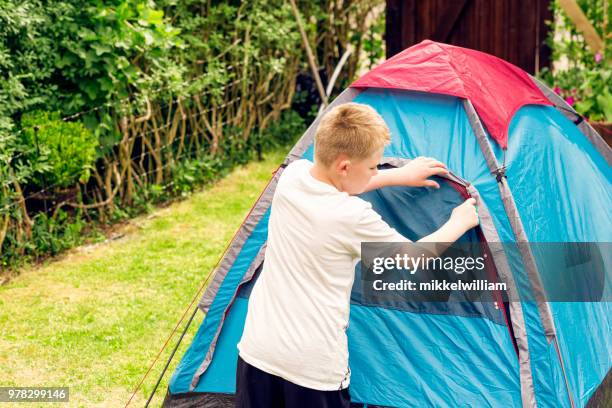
(65, 150)
(580, 76)
(283, 132)
(595, 101)
(53, 235)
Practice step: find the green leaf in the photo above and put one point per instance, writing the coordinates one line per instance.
(155, 17)
(122, 44)
(65, 60)
(605, 103)
(106, 84)
(91, 88)
(85, 176)
(101, 48)
(87, 34)
(584, 106)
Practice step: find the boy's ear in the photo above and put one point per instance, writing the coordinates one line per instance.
(342, 164)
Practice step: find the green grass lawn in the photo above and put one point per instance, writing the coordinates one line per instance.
(94, 319)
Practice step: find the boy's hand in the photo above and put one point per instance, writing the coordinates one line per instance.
(465, 215)
(414, 174)
(417, 172)
(463, 218)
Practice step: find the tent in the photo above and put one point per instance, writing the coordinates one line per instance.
(539, 172)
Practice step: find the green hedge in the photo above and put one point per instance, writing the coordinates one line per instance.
(108, 107)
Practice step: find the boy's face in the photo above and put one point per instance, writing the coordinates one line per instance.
(355, 174)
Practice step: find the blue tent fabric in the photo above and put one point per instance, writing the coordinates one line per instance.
(570, 204)
(402, 357)
(181, 380)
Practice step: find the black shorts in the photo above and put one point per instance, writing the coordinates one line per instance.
(257, 389)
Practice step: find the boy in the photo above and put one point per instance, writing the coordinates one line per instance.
(293, 351)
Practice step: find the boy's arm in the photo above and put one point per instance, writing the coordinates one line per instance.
(413, 174)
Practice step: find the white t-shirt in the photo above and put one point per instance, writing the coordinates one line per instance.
(299, 308)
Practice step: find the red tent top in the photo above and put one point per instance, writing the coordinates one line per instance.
(496, 88)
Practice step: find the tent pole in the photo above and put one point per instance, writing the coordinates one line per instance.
(178, 343)
(519, 233)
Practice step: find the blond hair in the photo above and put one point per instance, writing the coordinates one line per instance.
(354, 129)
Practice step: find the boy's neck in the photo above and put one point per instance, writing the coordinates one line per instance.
(321, 174)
